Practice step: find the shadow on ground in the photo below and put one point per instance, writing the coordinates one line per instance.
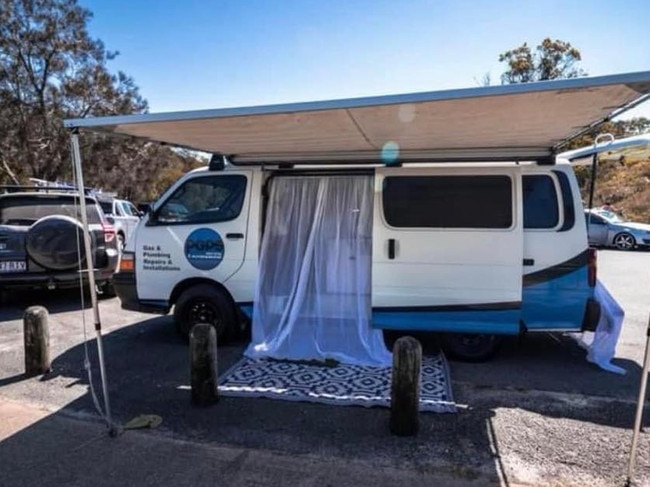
(13, 304)
(148, 365)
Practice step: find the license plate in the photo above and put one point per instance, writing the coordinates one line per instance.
(13, 266)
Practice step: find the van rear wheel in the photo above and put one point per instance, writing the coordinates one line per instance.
(204, 303)
(470, 347)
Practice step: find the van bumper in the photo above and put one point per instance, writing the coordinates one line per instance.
(592, 315)
(126, 289)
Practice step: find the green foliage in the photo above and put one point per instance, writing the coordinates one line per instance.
(552, 59)
(50, 70)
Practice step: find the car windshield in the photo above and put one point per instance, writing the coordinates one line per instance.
(610, 216)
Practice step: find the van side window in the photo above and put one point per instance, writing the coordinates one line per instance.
(205, 200)
(540, 202)
(448, 201)
(567, 202)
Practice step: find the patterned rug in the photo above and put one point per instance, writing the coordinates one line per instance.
(344, 385)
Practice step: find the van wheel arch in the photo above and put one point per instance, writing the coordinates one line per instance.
(471, 347)
(206, 292)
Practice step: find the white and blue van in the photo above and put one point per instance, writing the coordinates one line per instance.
(469, 250)
(477, 225)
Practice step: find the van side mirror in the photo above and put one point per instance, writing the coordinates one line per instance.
(153, 218)
(110, 219)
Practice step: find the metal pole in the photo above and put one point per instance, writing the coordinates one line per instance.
(639, 407)
(592, 185)
(90, 269)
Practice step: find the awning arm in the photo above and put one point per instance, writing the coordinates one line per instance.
(609, 145)
(595, 124)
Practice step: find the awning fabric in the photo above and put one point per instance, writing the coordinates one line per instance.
(523, 119)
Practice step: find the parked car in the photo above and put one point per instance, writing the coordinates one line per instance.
(122, 214)
(607, 229)
(41, 241)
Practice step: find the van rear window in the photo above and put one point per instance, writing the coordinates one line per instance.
(540, 202)
(448, 201)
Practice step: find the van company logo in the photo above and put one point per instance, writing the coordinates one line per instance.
(204, 249)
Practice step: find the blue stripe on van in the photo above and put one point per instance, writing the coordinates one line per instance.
(557, 303)
(497, 322)
(568, 266)
(554, 298)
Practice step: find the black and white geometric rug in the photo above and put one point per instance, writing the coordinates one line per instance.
(345, 385)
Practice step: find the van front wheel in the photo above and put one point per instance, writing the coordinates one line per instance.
(204, 304)
(470, 347)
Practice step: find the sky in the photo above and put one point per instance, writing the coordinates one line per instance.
(193, 54)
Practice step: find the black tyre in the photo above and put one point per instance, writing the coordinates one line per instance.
(107, 290)
(56, 243)
(204, 303)
(470, 347)
(624, 241)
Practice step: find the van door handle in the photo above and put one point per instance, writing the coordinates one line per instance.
(529, 261)
(234, 236)
(391, 248)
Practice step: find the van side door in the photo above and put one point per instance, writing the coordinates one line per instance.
(447, 249)
(555, 272)
(197, 230)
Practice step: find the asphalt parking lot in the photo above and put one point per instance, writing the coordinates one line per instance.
(538, 414)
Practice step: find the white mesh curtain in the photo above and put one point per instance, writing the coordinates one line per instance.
(313, 293)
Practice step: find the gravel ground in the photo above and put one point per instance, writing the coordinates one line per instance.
(538, 414)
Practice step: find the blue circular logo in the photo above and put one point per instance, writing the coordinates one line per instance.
(204, 249)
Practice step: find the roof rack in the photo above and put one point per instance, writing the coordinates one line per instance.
(43, 189)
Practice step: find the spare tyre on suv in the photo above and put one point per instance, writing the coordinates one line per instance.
(41, 242)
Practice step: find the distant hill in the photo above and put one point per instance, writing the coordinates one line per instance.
(624, 180)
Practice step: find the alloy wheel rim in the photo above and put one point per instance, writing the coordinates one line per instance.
(624, 242)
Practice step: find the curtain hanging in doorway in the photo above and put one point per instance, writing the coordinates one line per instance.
(313, 293)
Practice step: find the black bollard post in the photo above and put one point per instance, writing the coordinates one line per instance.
(405, 387)
(36, 335)
(203, 358)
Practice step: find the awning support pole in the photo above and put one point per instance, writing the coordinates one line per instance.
(592, 186)
(639, 408)
(76, 160)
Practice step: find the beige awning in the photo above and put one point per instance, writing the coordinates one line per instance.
(522, 120)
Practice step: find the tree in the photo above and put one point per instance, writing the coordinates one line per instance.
(50, 70)
(552, 59)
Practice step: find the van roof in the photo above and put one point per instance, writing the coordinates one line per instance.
(528, 121)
